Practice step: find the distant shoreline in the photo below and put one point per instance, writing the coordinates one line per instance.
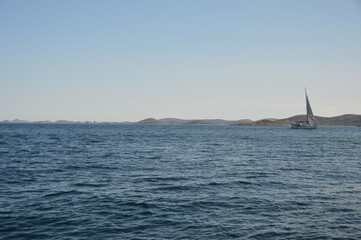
(342, 120)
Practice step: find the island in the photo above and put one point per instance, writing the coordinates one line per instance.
(342, 120)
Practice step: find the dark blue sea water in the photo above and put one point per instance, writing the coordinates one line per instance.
(179, 182)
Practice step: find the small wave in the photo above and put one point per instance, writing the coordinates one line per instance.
(5, 212)
(102, 167)
(204, 204)
(275, 183)
(146, 213)
(216, 184)
(72, 167)
(54, 138)
(238, 182)
(291, 169)
(346, 210)
(133, 229)
(20, 180)
(174, 188)
(243, 182)
(93, 141)
(293, 205)
(89, 185)
(269, 235)
(301, 204)
(23, 136)
(106, 155)
(161, 179)
(215, 144)
(62, 193)
(54, 170)
(259, 174)
(139, 204)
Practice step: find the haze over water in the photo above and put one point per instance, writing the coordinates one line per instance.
(179, 182)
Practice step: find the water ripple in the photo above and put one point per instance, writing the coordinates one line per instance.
(179, 182)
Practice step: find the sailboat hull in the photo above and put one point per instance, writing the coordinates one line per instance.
(304, 127)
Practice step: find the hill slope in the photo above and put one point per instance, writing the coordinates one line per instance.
(343, 120)
(261, 123)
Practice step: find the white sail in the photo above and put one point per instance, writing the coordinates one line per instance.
(310, 123)
(310, 117)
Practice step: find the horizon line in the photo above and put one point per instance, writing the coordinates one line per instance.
(183, 119)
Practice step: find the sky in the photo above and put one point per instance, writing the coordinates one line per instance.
(127, 60)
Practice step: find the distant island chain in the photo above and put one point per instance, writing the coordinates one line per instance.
(342, 120)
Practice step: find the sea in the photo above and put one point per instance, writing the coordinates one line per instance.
(129, 181)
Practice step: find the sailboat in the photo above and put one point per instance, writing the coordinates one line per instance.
(310, 123)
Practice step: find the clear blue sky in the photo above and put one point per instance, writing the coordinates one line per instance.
(129, 60)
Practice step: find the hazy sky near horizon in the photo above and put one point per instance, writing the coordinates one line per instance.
(133, 59)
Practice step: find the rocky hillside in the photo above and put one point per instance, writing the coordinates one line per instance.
(195, 121)
(261, 123)
(343, 120)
